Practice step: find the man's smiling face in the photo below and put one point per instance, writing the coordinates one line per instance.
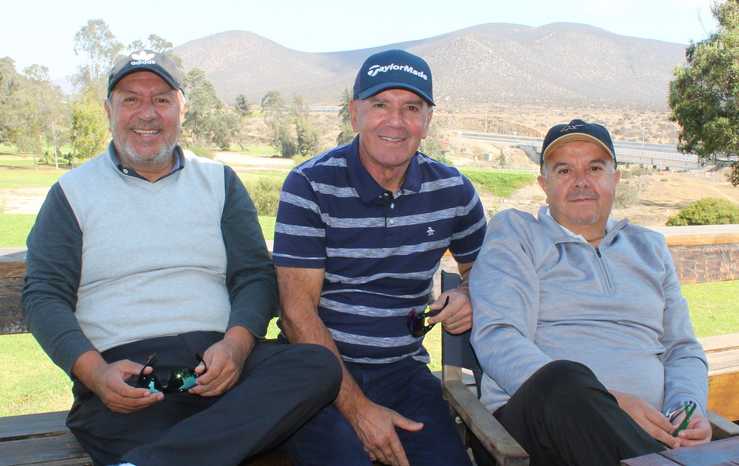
(391, 125)
(145, 116)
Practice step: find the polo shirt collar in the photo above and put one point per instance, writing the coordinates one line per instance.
(179, 163)
(368, 189)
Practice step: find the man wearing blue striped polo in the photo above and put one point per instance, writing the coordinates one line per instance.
(360, 232)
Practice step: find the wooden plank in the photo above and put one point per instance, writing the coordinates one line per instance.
(723, 396)
(721, 426)
(57, 450)
(12, 271)
(720, 362)
(485, 427)
(33, 425)
(720, 342)
(653, 459)
(714, 453)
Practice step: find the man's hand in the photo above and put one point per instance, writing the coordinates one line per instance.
(648, 418)
(375, 426)
(224, 360)
(108, 382)
(698, 431)
(457, 315)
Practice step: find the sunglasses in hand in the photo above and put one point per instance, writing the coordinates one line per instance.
(180, 379)
(416, 321)
(687, 412)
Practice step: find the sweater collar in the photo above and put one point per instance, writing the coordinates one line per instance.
(560, 234)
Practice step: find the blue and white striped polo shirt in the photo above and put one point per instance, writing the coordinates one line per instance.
(379, 250)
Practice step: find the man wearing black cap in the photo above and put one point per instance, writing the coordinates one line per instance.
(579, 325)
(149, 283)
(359, 235)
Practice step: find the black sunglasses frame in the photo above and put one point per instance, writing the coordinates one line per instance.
(416, 320)
(180, 379)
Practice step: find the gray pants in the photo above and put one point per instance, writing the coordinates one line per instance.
(280, 387)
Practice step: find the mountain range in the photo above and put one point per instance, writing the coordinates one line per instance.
(559, 64)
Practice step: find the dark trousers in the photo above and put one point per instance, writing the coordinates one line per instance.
(281, 386)
(407, 387)
(563, 415)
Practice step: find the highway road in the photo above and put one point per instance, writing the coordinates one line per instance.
(661, 156)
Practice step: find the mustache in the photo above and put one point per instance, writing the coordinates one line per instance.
(583, 195)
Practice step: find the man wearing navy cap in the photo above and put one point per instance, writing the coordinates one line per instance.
(579, 325)
(149, 283)
(359, 235)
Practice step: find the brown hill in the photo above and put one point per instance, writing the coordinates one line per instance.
(556, 64)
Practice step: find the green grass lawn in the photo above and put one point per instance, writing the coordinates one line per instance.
(499, 183)
(24, 177)
(15, 161)
(31, 383)
(14, 229)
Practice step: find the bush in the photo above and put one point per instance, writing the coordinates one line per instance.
(627, 192)
(708, 211)
(266, 196)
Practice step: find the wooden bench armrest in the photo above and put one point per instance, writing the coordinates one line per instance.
(721, 426)
(483, 425)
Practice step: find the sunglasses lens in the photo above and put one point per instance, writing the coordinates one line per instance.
(151, 382)
(415, 324)
(181, 380)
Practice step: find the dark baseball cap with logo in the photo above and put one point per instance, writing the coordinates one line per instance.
(576, 130)
(146, 60)
(394, 69)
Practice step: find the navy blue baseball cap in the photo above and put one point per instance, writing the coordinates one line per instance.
(576, 130)
(146, 60)
(394, 69)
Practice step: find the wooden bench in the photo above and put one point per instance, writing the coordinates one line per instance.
(43, 439)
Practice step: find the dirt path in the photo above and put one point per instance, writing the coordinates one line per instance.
(22, 200)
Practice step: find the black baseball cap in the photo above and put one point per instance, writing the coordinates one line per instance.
(576, 130)
(146, 60)
(394, 69)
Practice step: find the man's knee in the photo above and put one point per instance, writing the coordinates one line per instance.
(563, 382)
(322, 368)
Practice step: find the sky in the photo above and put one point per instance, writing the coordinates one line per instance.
(42, 31)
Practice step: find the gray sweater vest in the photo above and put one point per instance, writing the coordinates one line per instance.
(140, 275)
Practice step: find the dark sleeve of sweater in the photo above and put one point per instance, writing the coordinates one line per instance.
(53, 266)
(250, 275)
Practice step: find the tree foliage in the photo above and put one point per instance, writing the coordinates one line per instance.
(32, 109)
(96, 42)
(346, 132)
(242, 105)
(89, 132)
(292, 131)
(207, 120)
(704, 93)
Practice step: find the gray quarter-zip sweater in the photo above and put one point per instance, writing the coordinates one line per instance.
(540, 294)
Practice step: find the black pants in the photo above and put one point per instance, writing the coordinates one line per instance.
(563, 415)
(281, 386)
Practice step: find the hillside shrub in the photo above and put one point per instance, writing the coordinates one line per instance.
(266, 196)
(628, 191)
(707, 211)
